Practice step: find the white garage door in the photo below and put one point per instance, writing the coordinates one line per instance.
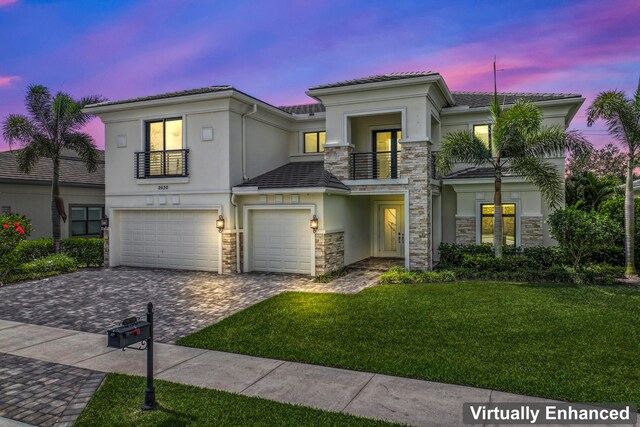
(281, 241)
(183, 239)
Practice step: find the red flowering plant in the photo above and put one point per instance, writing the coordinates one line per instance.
(13, 230)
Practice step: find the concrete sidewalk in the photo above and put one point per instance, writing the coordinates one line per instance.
(409, 401)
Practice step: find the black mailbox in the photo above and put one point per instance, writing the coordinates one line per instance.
(128, 334)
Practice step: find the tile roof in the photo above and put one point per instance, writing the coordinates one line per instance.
(483, 99)
(198, 91)
(476, 172)
(72, 170)
(375, 79)
(297, 175)
(303, 108)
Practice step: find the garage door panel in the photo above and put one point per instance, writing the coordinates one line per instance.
(169, 239)
(281, 241)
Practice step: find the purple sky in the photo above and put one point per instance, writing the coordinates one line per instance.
(275, 50)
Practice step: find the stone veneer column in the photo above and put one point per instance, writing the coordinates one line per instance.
(229, 252)
(329, 252)
(466, 230)
(531, 231)
(105, 245)
(416, 166)
(337, 160)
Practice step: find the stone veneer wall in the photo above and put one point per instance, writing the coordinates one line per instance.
(466, 230)
(337, 161)
(416, 166)
(229, 252)
(531, 231)
(329, 252)
(105, 242)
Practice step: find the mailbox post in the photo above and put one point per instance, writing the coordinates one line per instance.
(132, 331)
(150, 392)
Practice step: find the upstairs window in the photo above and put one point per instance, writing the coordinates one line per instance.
(164, 145)
(314, 142)
(483, 133)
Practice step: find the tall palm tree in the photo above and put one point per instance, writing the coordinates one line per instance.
(622, 115)
(518, 143)
(53, 124)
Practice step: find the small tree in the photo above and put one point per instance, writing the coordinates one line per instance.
(587, 191)
(54, 124)
(580, 233)
(622, 115)
(13, 230)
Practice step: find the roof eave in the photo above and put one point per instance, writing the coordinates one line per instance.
(252, 190)
(97, 109)
(316, 93)
(576, 103)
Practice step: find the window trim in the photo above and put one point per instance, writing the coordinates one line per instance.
(515, 216)
(82, 205)
(317, 132)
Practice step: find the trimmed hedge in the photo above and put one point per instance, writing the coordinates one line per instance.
(88, 252)
(596, 274)
(491, 263)
(31, 250)
(453, 255)
(59, 263)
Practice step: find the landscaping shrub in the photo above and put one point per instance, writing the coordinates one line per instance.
(59, 263)
(398, 275)
(614, 209)
(452, 254)
(490, 263)
(599, 274)
(30, 250)
(582, 234)
(13, 230)
(87, 252)
(546, 256)
(555, 274)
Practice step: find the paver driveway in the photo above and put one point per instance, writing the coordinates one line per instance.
(92, 300)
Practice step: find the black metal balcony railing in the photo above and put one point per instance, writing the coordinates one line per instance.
(375, 165)
(162, 164)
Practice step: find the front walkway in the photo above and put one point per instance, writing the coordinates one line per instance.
(93, 300)
(414, 402)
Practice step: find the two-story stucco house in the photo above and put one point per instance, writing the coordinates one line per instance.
(307, 188)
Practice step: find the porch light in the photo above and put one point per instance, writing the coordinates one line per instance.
(314, 223)
(104, 222)
(220, 224)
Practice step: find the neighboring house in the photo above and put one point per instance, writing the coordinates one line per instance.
(30, 194)
(361, 160)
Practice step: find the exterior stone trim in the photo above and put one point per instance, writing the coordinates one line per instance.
(228, 254)
(531, 231)
(466, 230)
(329, 252)
(105, 246)
(416, 166)
(337, 160)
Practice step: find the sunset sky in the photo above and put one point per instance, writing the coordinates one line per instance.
(275, 50)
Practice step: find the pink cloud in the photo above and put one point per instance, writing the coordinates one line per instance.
(8, 80)
(4, 3)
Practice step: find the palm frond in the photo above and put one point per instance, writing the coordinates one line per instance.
(39, 105)
(82, 143)
(461, 146)
(29, 156)
(542, 174)
(18, 129)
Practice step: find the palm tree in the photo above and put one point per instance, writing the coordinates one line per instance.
(53, 124)
(518, 143)
(622, 115)
(587, 191)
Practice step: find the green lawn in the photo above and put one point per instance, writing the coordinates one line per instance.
(117, 403)
(563, 342)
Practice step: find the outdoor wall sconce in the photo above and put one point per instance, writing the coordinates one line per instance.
(104, 223)
(314, 223)
(220, 224)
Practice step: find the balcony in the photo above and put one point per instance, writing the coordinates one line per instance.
(375, 165)
(162, 164)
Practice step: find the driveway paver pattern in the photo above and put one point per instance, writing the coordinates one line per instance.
(93, 300)
(42, 393)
